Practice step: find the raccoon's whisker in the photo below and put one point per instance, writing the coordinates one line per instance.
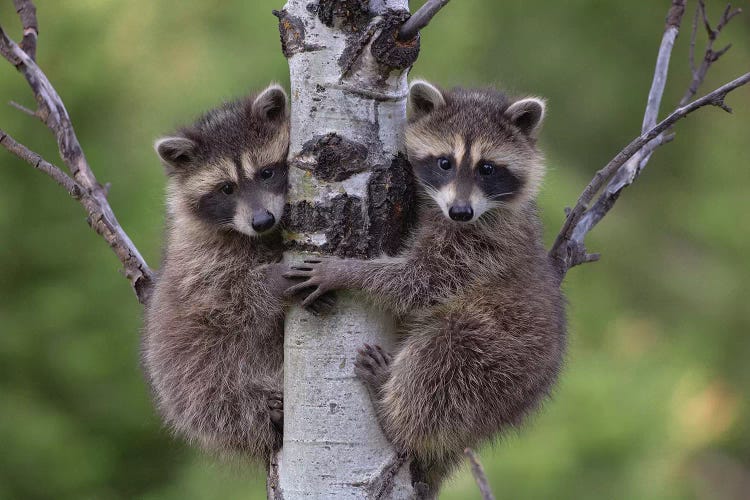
(500, 195)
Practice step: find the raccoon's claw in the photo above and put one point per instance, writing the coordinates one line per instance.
(372, 366)
(324, 305)
(276, 410)
(319, 274)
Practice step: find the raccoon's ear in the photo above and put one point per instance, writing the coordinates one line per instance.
(176, 153)
(527, 114)
(271, 103)
(424, 98)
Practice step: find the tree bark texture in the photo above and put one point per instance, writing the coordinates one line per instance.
(351, 194)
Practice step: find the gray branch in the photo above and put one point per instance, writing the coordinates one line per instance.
(567, 252)
(27, 13)
(23, 109)
(710, 55)
(569, 249)
(628, 173)
(420, 19)
(53, 114)
(479, 476)
(35, 160)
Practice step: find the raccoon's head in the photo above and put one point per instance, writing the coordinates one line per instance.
(474, 150)
(228, 170)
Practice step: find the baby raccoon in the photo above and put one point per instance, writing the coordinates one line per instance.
(482, 317)
(212, 342)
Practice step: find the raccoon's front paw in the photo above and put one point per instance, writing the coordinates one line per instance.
(373, 366)
(322, 274)
(276, 410)
(323, 305)
(275, 280)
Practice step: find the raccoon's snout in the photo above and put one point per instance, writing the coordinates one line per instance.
(461, 213)
(263, 220)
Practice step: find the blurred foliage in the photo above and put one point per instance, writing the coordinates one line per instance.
(653, 401)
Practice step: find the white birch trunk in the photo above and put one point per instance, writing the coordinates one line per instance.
(350, 195)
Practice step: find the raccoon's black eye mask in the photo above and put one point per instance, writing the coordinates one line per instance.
(497, 181)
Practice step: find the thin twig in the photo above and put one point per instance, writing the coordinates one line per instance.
(23, 109)
(710, 55)
(567, 252)
(61, 178)
(27, 13)
(479, 476)
(420, 19)
(693, 38)
(52, 112)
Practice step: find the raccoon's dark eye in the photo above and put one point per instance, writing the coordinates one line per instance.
(444, 163)
(266, 173)
(486, 169)
(227, 188)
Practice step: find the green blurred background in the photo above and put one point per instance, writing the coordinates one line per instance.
(653, 401)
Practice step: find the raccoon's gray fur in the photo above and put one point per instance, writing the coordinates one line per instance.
(212, 342)
(483, 320)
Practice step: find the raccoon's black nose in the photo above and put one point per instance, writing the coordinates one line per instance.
(461, 213)
(263, 220)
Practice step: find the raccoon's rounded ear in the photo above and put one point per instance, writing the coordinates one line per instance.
(424, 98)
(176, 153)
(527, 114)
(271, 103)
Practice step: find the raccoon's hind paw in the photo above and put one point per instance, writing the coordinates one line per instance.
(276, 410)
(373, 366)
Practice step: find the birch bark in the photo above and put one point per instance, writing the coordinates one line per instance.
(350, 195)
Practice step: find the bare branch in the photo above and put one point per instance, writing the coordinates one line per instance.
(630, 170)
(420, 19)
(710, 55)
(479, 476)
(693, 38)
(568, 251)
(27, 13)
(633, 168)
(61, 178)
(52, 112)
(672, 29)
(23, 109)
(141, 278)
(574, 252)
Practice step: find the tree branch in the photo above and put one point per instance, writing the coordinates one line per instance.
(35, 160)
(52, 112)
(23, 109)
(420, 19)
(627, 174)
(27, 13)
(479, 476)
(97, 219)
(710, 56)
(569, 249)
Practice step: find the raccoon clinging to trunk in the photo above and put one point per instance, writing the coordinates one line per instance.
(482, 316)
(212, 344)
